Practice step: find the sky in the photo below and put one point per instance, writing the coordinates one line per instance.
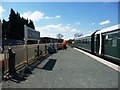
(67, 18)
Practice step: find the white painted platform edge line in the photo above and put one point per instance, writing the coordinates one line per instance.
(109, 64)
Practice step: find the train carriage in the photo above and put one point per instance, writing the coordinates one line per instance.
(104, 42)
(111, 42)
(84, 42)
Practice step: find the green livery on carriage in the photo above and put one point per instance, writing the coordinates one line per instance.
(104, 43)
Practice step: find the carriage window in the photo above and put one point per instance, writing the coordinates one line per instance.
(118, 34)
(86, 41)
(110, 36)
(80, 41)
(114, 42)
(114, 39)
(106, 36)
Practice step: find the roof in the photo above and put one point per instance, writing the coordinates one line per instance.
(112, 28)
(84, 36)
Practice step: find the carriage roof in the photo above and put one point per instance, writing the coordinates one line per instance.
(112, 28)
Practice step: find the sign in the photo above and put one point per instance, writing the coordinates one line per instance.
(31, 34)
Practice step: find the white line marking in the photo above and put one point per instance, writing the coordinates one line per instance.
(109, 64)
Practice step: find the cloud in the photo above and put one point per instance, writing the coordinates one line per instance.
(73, 30)
(48, 17)
(53, 30)
(68, 24)
(109, 1)
(58, 16)
(35, 16)
(1, 11)
(93, 23)
(77, 23)
(104, 22)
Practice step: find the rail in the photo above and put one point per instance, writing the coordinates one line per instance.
(20, 54)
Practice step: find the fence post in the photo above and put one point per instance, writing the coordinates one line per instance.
(3, 68)
(57, 47)
(45, 49)
(38, 51)
(11, 62)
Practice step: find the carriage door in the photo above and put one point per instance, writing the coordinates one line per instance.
(97, 43)
(103, 39)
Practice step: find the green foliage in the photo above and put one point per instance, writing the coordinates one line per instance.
(78, 35)
(31, 25)
(59, 35)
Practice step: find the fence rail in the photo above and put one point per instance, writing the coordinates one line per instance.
(25, 54)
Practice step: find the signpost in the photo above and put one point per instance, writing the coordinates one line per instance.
(30, 34)
(0, 37)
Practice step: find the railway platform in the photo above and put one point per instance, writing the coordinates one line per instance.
(71, 68)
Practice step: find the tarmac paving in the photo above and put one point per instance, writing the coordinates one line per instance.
(68, 69)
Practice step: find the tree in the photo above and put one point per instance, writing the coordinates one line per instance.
(78, 35)
(81, 34)
(12, 15)
(31, 25)
(60, 36)
(14, 27)
(12, 22)
(4, 29)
